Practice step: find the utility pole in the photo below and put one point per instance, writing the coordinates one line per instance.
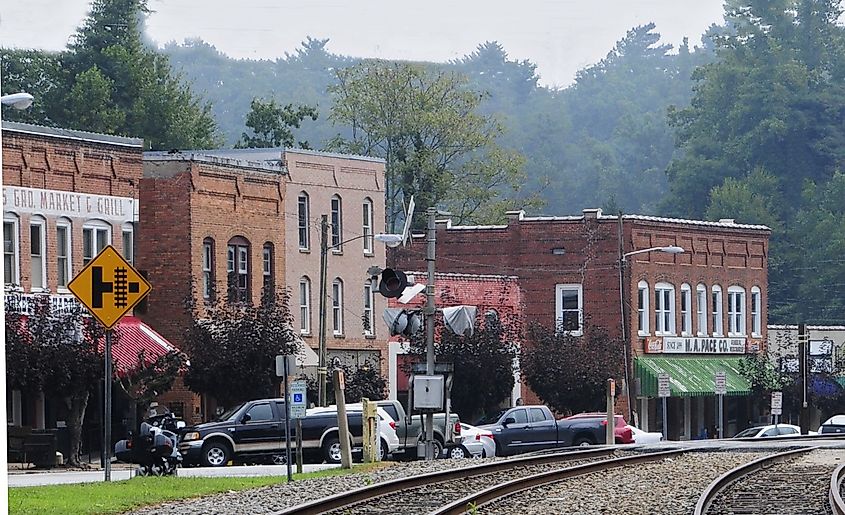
(804, 415)
(429, 311)
(324, 256)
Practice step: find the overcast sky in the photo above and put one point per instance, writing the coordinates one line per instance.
(560, 36)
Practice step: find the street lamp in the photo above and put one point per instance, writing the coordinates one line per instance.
(671, 249)
(391, 240)
(18, 101)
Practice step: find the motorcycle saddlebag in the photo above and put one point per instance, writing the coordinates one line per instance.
(122, 451)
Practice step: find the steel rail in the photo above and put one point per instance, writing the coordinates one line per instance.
(728, 478)
(837, 505)
(478, 499)
(356, 496)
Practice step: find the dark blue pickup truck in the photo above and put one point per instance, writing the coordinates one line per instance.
(533, 428)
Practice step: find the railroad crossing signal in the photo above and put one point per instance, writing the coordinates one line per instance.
(109, 287)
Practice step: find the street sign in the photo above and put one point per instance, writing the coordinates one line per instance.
(663, 385)
(777, 403)
(721, 383)
(298, 398)
(109, 287)
(280, 364)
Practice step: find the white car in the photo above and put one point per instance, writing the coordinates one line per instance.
(641, 436)
(386, 426)
(771, 430)
(477, 442)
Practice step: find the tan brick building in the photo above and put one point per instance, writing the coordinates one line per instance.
(687, 314)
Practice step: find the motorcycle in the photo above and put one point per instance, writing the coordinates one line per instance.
(155, 448)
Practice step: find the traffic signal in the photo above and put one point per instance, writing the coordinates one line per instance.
(393, 283)
(404, 322)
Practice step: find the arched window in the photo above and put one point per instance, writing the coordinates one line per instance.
(664, 309)
(756, 312)
(267, 258)
(736, 311)
(337, 307)
(305, 305)
(367, 225)
(303, 209)
(686, 310)
(369, 310)
(718, 328)
(337, 224)
(37, 252)
(642, 308)
(208, 281)
(64, 253)
(237, 267)
(11, 250)
(701, 309)
(96, 235)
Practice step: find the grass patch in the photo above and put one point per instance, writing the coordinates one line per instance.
(121, 496)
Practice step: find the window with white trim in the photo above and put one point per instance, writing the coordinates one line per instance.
(717, 311)
(367, 225)
(305, 305)
(37, 248)
(268, 269)
(337, 307)
(664, 309)
(569, 308)
(337, 224)
(237, 266)
(701, 309)
(642, 309)
(11, 253)
(686, 310)
(64, 256)
(736, 311)
(96, 236)
(303, 209)
(756, 314)
(129, 243)
(369, 301)
(208, 268)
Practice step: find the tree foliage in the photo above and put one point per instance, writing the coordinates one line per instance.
(359, 382)
(149, 378)
(271, 124)
(233, 347)
(570, 373)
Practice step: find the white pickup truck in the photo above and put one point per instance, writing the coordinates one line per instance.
(447, 434)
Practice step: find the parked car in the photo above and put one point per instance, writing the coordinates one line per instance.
(771, 430)
(533, 428)
(835, 424)
(387, 429)
(642, 437)
(621, 430)
(409, 429)
(255, 431)
(476, 442)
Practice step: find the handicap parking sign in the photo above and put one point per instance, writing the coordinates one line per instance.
(297, 397)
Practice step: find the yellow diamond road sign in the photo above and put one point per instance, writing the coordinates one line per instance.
(109, 287)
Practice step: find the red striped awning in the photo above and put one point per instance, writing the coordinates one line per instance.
(136, 336)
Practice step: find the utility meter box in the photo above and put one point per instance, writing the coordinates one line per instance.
(428, 392)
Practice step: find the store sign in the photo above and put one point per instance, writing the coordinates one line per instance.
(674, 345)
(68, 203)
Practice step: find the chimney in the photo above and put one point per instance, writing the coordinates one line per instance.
(515, 216)
(592, 214)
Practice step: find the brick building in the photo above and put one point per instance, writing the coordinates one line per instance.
(687, 314)
(66, 195)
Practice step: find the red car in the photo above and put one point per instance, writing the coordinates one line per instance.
(621, 431)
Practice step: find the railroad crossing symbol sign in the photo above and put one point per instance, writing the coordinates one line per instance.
(109, 287)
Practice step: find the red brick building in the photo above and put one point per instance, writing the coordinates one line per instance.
(686, 314)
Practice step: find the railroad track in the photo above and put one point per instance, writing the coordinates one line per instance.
(787, 482)
(426, 492)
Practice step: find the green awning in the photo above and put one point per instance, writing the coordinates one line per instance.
(690, 377)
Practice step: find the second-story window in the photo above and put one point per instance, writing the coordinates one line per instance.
(302, 222)
(305, 305)
(369, 320)
(756, 316)
(37, 246)
(337, 224)
(717, 311)
(736, 311)
(64, 261)
(94, 239)
(642, 308)
(267, 258)
(686, 310)
(367, 226)
(129, 243)
(208, 268)
(568, 308)
(237, 267)
(337, 307)
(701, 309)
(10, 251)
(664, 309)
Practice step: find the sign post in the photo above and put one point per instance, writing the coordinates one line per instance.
(664, 392)
(109, 287)
(777, 406)
(298, 405)
(610, 436)
(721, 389)
(284, 366)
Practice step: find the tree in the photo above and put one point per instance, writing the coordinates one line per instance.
(271, 124)
(570, 373)
(359, 382)
(149, 378)
(233, 347)
(484, 363)
(424, 123)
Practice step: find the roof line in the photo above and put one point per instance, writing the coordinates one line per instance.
(58, 132)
